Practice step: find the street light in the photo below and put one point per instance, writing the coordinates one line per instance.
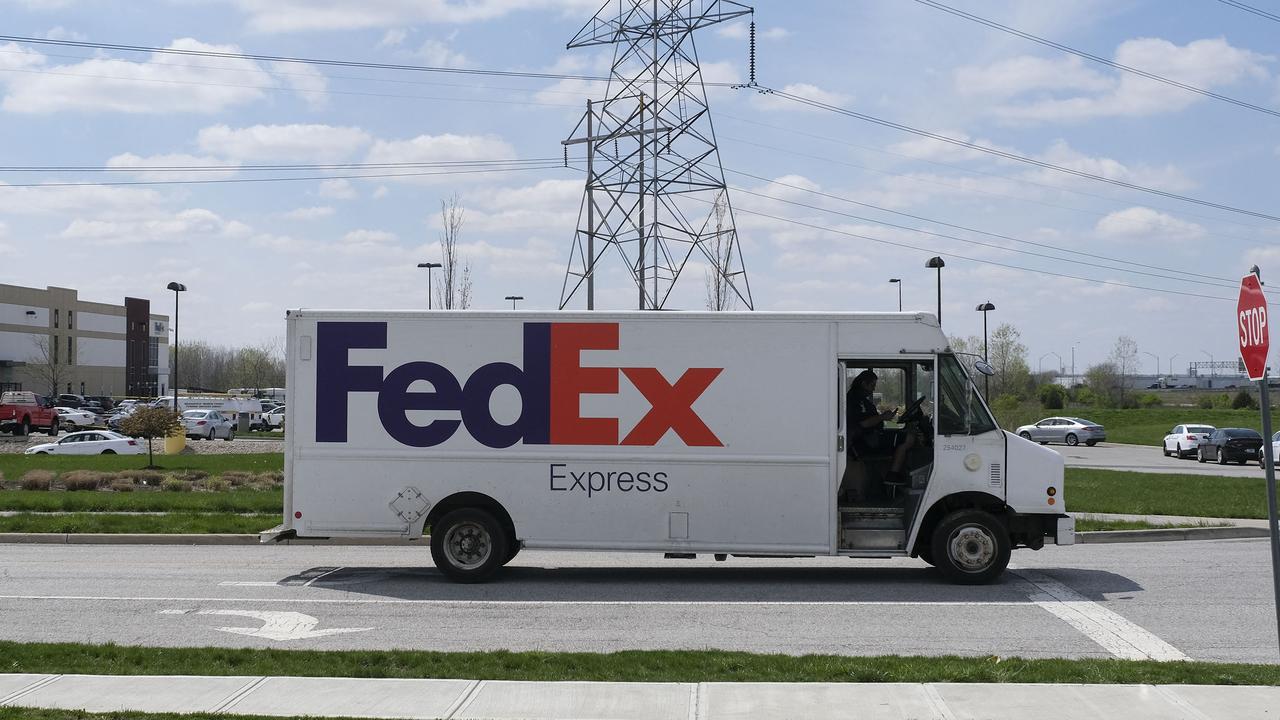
(937, 263)
(429, 266)
(898, 282)
(513, 299)
(1042, 357)
(984, 308)
(1171, 364)
(1153, 356)
(1213, 373)
(176, 287)
(1073, 362)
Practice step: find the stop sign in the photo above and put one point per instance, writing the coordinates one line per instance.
(1251, 324)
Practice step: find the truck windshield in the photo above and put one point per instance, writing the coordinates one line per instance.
(960, 411)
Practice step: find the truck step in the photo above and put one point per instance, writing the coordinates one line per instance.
(872, 538)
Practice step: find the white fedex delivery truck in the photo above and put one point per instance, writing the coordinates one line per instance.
(681, 433)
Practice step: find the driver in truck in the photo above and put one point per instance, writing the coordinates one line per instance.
(867, 432)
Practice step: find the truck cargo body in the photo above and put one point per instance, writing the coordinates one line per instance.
(671, 432)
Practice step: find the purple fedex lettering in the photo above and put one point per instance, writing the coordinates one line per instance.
(336, 378)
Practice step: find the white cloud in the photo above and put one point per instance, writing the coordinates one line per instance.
(336, 189)
(369, 237)
(273, 16)
(1060, 153)
(61, 33)
(381, 192)
(804, 90)
(924, 148)
(285, 143)
(111, 202)
(1141, 223)
(1210, 64)
(170, 84)
(16, 57)
(1025, 73)
(306, 80)
(393, 37)
(438, 53)
(193, 225)
(438, 148)
(309, 213)
(129, 160)
(738, 31)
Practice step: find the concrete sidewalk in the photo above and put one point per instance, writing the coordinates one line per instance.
(510, 700)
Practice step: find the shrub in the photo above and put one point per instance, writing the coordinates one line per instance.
(173, 484)
(1085, 396)
(82, 480)
(1149, 400)
(1052, 396)
(1205, 402)
(120, 485)
(236, 478)
(142, 477)
(37, 480)
(191, 475)
(271, 477)
(1244, 400)
(1222, 401)
(214, 485)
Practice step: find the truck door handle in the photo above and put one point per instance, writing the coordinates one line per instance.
(839, 443)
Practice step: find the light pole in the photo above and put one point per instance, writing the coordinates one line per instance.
(898, 282)
(1073, 362)
(513, 299)
(1157, 359)
(1212, 372)
(1171, 364)
(1042, 357)
(176, 287)
(984, 308)
(429, 266)
(937, 263)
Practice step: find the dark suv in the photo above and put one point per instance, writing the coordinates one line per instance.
(1231, 444)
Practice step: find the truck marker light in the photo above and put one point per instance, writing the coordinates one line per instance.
(298, 515)
(1053, 491)
(1052, 501)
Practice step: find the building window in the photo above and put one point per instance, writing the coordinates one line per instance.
(54, 342)
(70, 321)
(71, 352)
(56, 317)
(153, 352)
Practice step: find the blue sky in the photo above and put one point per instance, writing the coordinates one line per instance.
(247, 251)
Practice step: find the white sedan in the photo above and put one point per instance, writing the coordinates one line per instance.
(93, 442)
(274, 420)
(207, 424)
(1183, 440)
(75, 416)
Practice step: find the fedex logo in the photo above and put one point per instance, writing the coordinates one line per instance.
(550, 384)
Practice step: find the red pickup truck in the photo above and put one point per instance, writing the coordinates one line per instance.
(21, 413)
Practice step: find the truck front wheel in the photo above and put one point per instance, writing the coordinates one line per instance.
(468, 545)
(970, 547)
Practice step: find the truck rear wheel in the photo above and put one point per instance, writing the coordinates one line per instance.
(468, 545)
(970, 547)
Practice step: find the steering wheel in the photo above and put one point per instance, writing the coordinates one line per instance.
(913, 411)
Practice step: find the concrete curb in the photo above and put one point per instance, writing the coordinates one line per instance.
(1167, 534)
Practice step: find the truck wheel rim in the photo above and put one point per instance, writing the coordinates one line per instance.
(468, 545)
(971, 548)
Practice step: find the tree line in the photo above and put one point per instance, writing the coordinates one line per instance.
(218, 367)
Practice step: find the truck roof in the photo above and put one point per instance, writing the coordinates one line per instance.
(922, 318)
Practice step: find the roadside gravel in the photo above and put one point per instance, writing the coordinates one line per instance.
(15, 445)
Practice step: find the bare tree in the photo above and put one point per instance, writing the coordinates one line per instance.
(1124, 357)
(454, 290)
(49, 367)
(720, 248)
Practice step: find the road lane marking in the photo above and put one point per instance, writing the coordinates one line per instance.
(321, 575)
(280, 625)
(1117, 635)
(532, 603)
(250, 583)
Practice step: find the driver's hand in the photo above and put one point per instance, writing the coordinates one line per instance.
(889, 414)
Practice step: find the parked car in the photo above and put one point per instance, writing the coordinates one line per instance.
(208, 424)
(273, 420)
(70, 400)
(93, 442)
(1231, 445)
(23, 412)
(1069, 430)
(1275, 450)
(118, 416)
(106, 402)
(68, 417)
(1182, 440)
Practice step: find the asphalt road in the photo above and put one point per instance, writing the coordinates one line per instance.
(1146, 458)
(1206, 600)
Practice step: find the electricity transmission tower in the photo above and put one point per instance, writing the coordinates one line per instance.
(655, 189)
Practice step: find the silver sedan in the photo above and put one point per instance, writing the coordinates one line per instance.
(1069, 430)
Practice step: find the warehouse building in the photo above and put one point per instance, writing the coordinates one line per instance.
(52, 342)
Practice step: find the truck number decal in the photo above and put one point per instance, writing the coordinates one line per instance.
(550, 384)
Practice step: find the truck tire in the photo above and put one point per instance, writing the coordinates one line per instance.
(970, 547)
(52, 430)
(24, 428)
(512, 553)
(468, 545)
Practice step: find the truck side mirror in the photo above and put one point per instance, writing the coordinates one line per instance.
(984, 368)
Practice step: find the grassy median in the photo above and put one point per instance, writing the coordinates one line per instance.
(1113, 491)
(204, 523)
(627, 666)
(23, 713)
(14, 466)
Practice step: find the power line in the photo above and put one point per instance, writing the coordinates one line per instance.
(275, 167)
(219, 181)
(1228, 282)
(1009, 155)
(1251, 9)
(1098, 59)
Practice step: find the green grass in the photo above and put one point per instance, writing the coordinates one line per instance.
(148, 524)
(233, 501)
(1149, 426)
(13, 466)
(1114, 491)
(1096, 525)
(627, 666)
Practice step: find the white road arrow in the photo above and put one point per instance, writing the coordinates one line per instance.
(280, 625)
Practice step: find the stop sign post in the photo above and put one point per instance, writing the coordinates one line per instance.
(1252, 331)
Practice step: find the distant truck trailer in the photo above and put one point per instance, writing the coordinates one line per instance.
(679, 433)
